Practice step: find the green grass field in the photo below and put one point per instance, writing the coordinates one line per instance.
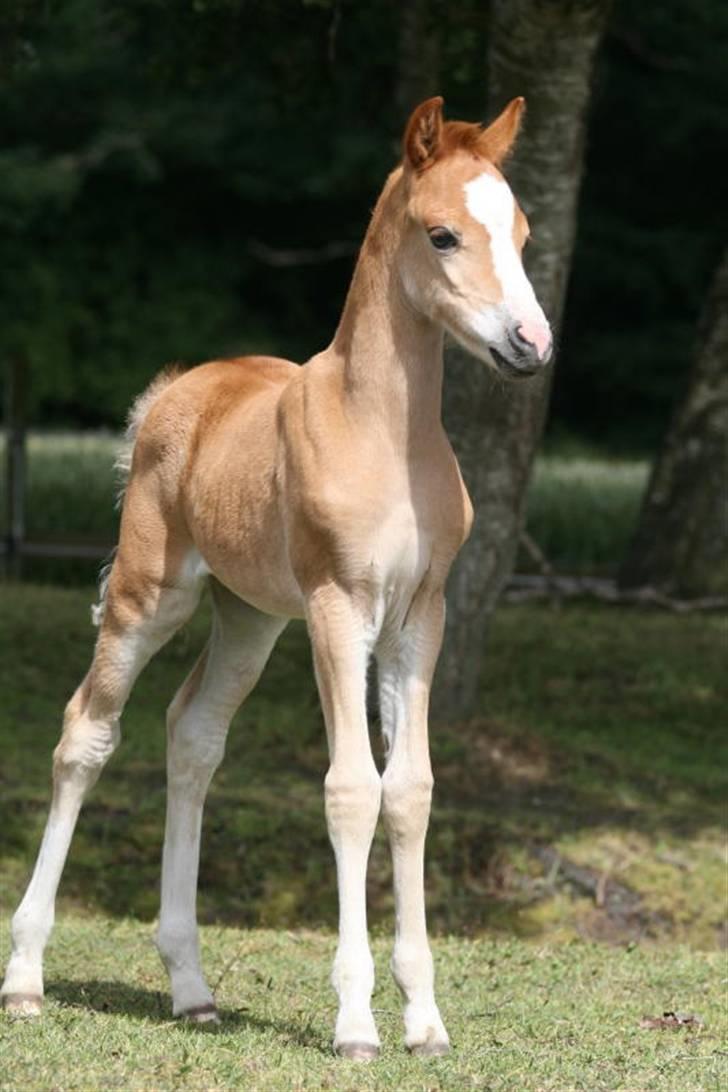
(576, 867)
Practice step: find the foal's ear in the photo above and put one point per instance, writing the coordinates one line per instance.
(423, 133)
(500, 136)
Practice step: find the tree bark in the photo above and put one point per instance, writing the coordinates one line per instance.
(418, 64)
(544, 50)
(418, 60)
(681, 543)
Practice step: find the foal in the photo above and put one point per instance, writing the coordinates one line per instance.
(327, 492)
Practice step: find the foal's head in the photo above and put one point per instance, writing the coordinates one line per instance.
(463, 238)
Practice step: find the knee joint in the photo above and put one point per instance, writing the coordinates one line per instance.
(352, 795)
(406, 801)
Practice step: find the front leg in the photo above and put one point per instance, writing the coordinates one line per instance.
(406, 663)
(352, 793)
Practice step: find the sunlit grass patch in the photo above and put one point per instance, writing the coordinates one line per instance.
(681, 884)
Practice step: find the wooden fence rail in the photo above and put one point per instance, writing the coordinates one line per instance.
(15, 463)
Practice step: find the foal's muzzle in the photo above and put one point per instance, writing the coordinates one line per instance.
(518, 357)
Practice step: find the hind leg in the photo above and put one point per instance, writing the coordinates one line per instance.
(197, 723)
(140, 616)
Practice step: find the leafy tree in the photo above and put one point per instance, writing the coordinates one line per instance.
(155, 157)
(150, 162)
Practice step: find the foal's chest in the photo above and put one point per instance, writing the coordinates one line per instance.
(387, 563)
(398, 549)
(395, 551)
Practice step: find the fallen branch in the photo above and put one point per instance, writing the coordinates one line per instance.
(281, 258)
(548, 572)
(524, 587)
(620, 903)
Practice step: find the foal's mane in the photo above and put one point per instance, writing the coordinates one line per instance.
(464, 136)
(429, 139)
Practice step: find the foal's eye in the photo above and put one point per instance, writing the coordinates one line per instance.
(442, 239)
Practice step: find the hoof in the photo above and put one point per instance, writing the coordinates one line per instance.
(357, 1052)
(201, 1014)
(23, 1004)
(430, 1049)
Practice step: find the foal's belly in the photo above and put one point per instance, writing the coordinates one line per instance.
(254, 565)
(233, 513)
(267, 592)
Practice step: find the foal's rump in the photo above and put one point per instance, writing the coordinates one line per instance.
(187, 506)
(182, 413)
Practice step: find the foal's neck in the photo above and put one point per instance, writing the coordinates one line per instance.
(389, 355)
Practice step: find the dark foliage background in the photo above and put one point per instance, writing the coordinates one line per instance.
(154, 153)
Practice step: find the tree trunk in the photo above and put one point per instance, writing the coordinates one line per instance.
(681, 542)
(419, 58)
(544, 50)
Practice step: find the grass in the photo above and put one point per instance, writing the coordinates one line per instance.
(520, 1017)
(576, 867)
(601, 736)
(71, 485)
(582, 507)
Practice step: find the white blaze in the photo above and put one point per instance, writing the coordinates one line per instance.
(489, 201)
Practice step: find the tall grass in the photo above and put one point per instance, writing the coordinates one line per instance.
(72, 486)
(581, 507)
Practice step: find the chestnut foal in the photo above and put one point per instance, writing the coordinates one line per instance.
(328, 492)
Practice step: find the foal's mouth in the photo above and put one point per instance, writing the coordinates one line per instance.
(521, 368)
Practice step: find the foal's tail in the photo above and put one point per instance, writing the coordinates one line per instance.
(140, 407)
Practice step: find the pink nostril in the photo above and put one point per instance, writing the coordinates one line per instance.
(535, 335)
(521, 336)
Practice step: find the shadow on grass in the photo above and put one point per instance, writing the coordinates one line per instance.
(121, 999)
(597, 724)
